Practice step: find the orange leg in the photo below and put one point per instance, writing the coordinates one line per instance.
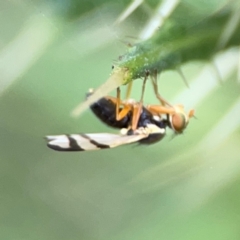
(118, 102)
(120, 112)
(158, 109)
(137, 108)
(155, 88)
(124, 111)
(129, 89)
(143, 88)
(126, 107)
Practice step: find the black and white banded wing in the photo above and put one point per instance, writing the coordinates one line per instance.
(91, 141)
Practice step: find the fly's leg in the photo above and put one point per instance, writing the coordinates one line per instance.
(159, 109)
(129, 89)
(137, 107)
(120, 112)
(163, 101)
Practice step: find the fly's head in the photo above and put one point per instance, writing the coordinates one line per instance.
(180, 119)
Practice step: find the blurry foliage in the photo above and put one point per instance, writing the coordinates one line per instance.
(189, 34)
(73, 9)
(185, 188)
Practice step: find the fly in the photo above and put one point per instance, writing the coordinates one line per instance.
(137, 123)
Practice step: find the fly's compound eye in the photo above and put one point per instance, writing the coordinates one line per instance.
(178, 122)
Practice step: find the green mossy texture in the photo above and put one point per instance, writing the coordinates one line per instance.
(187, 35)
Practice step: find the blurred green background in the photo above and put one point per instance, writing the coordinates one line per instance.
(186, 187)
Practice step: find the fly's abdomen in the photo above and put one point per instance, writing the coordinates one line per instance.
(153, 138)
(105, 110)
